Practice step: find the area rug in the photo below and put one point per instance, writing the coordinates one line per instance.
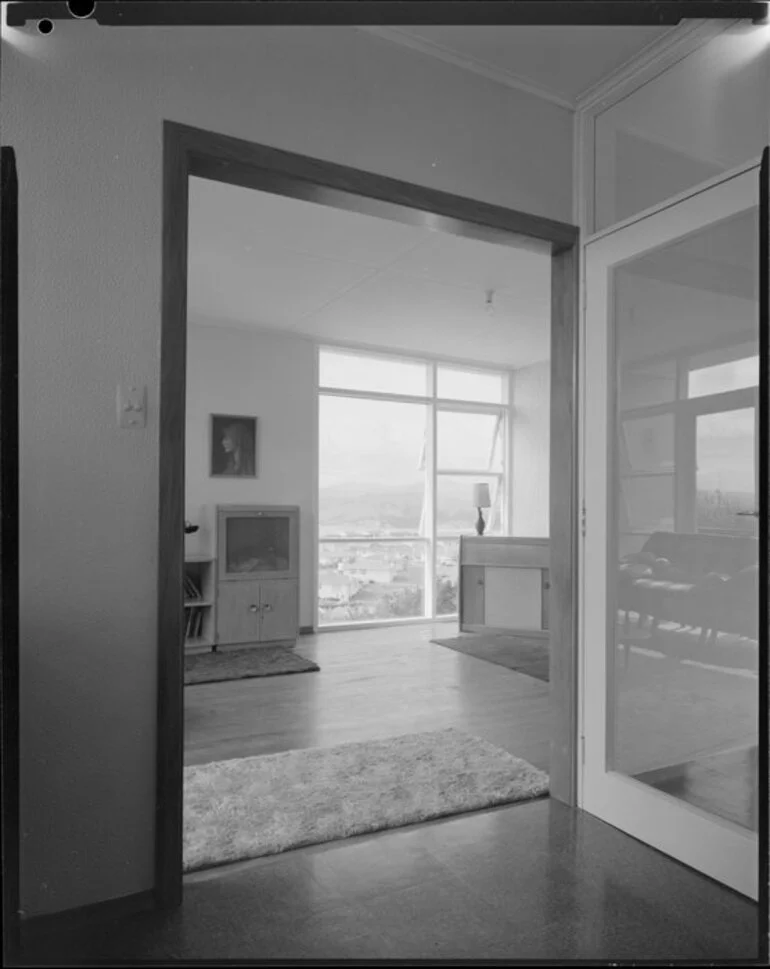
(524, 654)
(240, 664)
(256, 806)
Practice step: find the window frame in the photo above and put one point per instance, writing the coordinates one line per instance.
(430, 534)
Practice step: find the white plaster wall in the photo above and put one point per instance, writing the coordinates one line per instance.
(270, 376)
(84, 108)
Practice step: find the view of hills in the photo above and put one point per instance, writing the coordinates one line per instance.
(377, 507)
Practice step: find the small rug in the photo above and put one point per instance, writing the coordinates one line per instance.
(240, 664)
(524, 654)
(255, 806)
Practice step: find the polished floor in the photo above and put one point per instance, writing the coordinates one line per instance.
(531, 881)
(536, 880)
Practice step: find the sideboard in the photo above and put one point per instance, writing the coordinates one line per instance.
(504, 584)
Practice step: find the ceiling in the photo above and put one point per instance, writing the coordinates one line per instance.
(258, 260)
(262, 260)
(558, 63)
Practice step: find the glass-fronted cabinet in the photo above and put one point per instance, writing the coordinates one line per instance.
(258, 588)
(257, 544)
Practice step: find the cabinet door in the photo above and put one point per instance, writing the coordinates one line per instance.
(513, 598)
(238, 612)
(472, 606)
(280, 609)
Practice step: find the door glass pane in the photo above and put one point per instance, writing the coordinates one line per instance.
(726, 444)
(371, 467)
(469, 442)
(647, 503)
(648, 443)
(455, 511)
(702, 116)
(683, 593)
(351, 371)
(447, 555)
(721, 377)
(367, 581)
(647, 382)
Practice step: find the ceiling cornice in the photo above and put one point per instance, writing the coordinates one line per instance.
(675, 44)
(446, 54)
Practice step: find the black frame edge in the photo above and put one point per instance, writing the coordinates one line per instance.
(394, 12)
(9, 545)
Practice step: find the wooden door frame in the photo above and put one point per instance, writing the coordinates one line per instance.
(191, 151)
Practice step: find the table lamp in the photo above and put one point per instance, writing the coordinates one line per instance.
(481, 500)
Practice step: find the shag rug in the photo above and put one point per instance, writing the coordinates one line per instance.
(524, 654)
(255, 806)
(240, 664)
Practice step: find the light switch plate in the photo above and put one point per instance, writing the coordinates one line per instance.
(132, 406)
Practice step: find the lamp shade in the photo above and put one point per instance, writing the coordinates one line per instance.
(481, 496)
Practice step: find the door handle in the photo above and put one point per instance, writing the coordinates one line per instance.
(749, 514)
(253, 608)
(267, 607)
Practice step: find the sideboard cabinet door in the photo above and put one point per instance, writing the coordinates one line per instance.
(238, 612)
(280, 609)
(472, 606)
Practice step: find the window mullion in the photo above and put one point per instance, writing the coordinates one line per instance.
(430, 499)
(508, 457)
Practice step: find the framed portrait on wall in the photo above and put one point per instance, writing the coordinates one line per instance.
(233, 446)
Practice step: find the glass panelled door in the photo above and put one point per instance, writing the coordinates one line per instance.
(669, 651)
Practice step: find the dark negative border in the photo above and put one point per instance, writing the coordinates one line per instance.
(138, 13)
(178, 163)
(9, 544)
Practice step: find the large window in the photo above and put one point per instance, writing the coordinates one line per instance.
(402, 442)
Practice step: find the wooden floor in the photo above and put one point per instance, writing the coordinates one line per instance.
(530, 881)
(376, 683)
(373, 683)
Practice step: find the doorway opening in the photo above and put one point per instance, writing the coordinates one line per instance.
(207, 167)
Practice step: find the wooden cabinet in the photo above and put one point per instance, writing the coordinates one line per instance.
(258, 574)
(261, 611)
(504, 584)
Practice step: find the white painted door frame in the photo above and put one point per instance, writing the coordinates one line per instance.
(718, 848)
